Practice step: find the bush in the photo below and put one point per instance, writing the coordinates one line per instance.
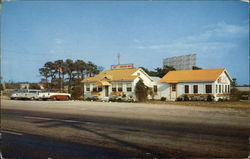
(244, 95)
(88, 99)
(235, 94)
(179, 99)
(91, 99)
(119, 100)
(220, 100)
(210, 98)
(186, 98)
(163, 98)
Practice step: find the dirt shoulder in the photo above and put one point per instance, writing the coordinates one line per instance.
(244, 105)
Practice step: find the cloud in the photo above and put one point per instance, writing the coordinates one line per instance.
(212, 39)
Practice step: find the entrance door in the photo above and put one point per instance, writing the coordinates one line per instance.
(173, 91)
(106, 91)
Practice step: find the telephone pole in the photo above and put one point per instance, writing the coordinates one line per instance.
(118, 57)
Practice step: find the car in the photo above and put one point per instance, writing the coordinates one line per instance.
(31, 94)
(51, 95)
(15, 94)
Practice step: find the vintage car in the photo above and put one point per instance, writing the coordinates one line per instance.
(31, 94)
(53, 95)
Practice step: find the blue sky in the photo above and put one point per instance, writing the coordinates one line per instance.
(144, 32)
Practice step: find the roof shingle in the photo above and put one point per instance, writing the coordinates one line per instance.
(114, 75)
(192, 75)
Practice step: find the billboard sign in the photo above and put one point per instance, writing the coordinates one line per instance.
(124, 66)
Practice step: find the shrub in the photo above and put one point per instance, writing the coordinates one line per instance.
(88, 99)
(119, 100)
(220, 100)
(163, 98)
(186, 98)
(210, 98)
(179, 99)
(235, 94)
(244, 95)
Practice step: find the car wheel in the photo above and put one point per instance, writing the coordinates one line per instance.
(68, 98)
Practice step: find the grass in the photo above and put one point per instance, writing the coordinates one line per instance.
(227, 104)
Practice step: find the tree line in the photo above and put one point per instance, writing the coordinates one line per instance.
(57, 74)
(160, 72)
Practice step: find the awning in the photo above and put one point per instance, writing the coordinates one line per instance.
(102, 83)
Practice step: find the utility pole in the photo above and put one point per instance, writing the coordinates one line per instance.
(118, 57)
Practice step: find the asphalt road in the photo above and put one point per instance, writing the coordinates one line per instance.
(76, 129)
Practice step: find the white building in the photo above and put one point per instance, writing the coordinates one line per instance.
(196, 84)
(116, 82)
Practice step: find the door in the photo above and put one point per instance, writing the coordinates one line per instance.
(106, 91)
(173, 91)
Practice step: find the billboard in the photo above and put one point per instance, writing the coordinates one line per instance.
(124, 66)
(185, 62)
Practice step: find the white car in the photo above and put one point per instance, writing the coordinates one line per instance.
(54, 96)
(31, 94)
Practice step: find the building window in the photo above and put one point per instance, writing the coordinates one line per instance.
(219, 88)
(99, 88)
(174, 87)
(186, 89)
(195, 89)
(129, 87)
(114, 87)
(155, 88)
(228, 88)
(216, 88)
(94, 89)
(208, 88)
(119, 87)
(87, 87)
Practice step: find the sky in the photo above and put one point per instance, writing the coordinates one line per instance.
(143, 32)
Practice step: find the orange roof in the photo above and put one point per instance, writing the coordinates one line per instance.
(192, 75)
(102, 83)
(114, 75)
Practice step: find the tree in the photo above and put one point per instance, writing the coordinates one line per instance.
(160, 72)
(196, 68)
(59, 71)
(34, 86)
(234, 82)
(141, 91)
(45, 73)
(77, 92)
(92, 69)
(70, 67)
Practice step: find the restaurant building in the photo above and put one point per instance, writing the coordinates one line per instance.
(196, 84)
(120, 82)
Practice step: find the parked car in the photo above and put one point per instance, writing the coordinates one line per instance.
(15, 94)
(50, 95)
(31, 94)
